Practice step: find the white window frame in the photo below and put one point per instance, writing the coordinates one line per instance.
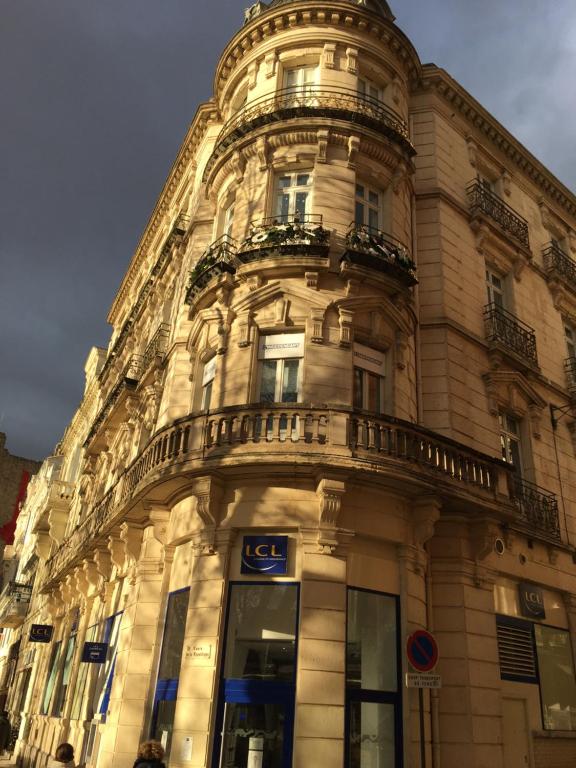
(369, 89)
(304, 78)
(368, 363)
(291, 192)
(208, 376)
(371, 210)
(570, 337)
(290, 346)
(496, 289)
(511, 433)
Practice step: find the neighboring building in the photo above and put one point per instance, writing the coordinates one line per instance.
(310, 438)
(15, 472)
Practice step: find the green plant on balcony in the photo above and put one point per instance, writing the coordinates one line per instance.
(380, 251)
(302, 236)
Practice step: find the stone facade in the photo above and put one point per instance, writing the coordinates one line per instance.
(391, 399)
(12, 469)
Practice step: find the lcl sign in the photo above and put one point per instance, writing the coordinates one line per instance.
(531, 601)
(41, 633)
(264, 554)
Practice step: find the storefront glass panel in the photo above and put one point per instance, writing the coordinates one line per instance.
(372, 735)
(253, 735)
(557, 685)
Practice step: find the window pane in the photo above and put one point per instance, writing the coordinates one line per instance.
(52, 674)
(173, 640)
(359, 215)
(373, 198)
(358, 388)
(77, 705)
(60, 696)
(373, 218)
(268, 382)
(303, 179)
(301, 202)
(359, 190)
(253, 736)
(261, 639)
(207, 395)
(373, 392)
(557, 685)
(290, 382)
(371, 644)
(283, 206)
(371, 735)
(284, 182)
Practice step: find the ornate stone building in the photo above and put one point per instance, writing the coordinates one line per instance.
(337, 407)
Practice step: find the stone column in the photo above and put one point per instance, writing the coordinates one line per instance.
(148, 563)
(198, 686)
(470, 716)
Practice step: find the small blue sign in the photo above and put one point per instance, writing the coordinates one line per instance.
(265, 554)
(95, 653)
(41, 633)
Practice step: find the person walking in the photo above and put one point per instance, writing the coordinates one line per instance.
(150, 755)
(64, 756)
(5, 732)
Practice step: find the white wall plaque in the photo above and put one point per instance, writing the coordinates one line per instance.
(369, 359)
(281, 345)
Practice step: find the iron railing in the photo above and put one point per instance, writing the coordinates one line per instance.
(155, 350)
(538, 507)
(505, 329)
(483, 200)
(312, 101)
(217, 258)
(559, 265)
(296, 233)
(127, 381)
(373, 248)
(570, 368)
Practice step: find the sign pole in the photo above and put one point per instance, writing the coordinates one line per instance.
(422, 733)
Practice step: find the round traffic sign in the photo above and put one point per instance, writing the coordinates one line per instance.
(422, 650)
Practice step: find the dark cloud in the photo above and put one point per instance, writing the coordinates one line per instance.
(95, 99)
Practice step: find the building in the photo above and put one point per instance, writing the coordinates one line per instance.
(309, 439)
(15, 473)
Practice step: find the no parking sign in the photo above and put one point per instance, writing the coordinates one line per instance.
(422, 651)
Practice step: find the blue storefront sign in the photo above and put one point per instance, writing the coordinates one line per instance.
(41, 633)
(265, 554)
(94, 653)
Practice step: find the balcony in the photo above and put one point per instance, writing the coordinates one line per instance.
(369, 247)
(218, 259)
(559, 266)
(485, 203)
(312, 101)
(154, 353)
(14, 603)
(507, 334)
(538, 508)
(126, 383)
(570, 368)
(294, 235)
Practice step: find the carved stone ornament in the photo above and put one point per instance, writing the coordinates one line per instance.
(270, 63)
(43, 545)
(472, 151)
(208, 492)
(323, 139)
(506, 183)
(330, 492)
(244, 325)
(117, 552)
(346, 318)
(352, 60)
(263, 153)
(425, 515)
(353, 149)
(54, 604)
(511, 391)
(328, 58)
(482, 537)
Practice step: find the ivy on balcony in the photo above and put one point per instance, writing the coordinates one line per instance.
(285, 235)
(370, 247)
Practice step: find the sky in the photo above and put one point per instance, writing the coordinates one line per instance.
(95, 99)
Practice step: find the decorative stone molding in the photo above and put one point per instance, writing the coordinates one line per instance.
(244, 325)
(43, 545)
(425, 514)
(346, 320)
(330, 492)
(323, 138)
(414, 558)
(353, 150)
(311, 280)
(54, 604)
(511, 391)
(252, 74)
(132, 540)
(281, 309)
(263, 153)
(402, 341)
(117, 552)
(270, 62)
(498, 251)
(208, 492)
(317, 326)
(328, 56)
(57, 521)
(472, 151)
(352, 60)
(506, 180)
(482, 537)
(396, 87)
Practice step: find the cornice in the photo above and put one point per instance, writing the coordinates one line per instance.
(206, 114)
(480, 119)
(334, 14)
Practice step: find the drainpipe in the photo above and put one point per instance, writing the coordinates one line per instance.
(417, 354)
(434, 692)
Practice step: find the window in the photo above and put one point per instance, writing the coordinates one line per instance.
(53, 668)
(228, 220)
(373, 692)
(542, 655)
(62, 687)
(169, 668)
(570, 336)
(510, 440)
(495, 288)
(293, 195)
(77, 712)
(101, 699)
(368, 89)
(368, 207)
(207, 382)
(299, 83)
(369, 368)
(280, 356)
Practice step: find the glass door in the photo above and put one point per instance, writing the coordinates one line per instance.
(256, 717)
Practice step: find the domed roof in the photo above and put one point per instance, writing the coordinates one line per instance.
(377, 6)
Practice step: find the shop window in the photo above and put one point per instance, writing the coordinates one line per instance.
(77, 711)
(510, 440)
(280, 357)
(373, 691)
(105, 677)
(208, 376)
(541, 655)
(53, 667)
(293, 192)
(62, 686)
(169, 669)
(256, 711)
(369, 370)
(368, 207)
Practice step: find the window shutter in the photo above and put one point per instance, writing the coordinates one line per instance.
(516, 650)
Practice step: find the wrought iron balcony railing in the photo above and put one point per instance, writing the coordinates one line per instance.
(504, 329)
(559, 265)
(370, 247)
(483, 200)
(570, 368)
(538, 507)
(155, 351)
(127, 381)
(220, 257)
(293, 234)
(314, 101)
(14, 602)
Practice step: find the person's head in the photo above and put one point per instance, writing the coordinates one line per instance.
(151, 750)
(64, 753)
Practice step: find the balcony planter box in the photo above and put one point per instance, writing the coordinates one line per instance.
(284, 240)
(371, 249)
